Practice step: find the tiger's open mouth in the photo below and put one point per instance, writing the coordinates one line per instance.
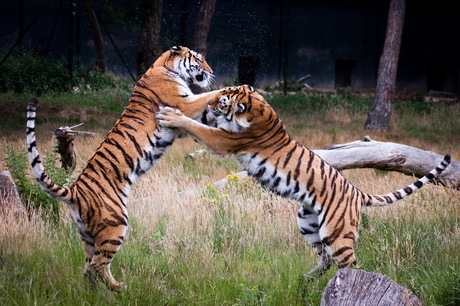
(199, 82)
(200, 77)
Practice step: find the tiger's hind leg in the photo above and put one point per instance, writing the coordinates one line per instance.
(308, 223)
(323, 265)
(89, 273)
(88, 242)
(342, 251)
(108, 242)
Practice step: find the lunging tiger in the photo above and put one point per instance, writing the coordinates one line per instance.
(330, 211)
(98, 198)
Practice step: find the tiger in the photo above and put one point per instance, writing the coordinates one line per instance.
(98, 197)
(248, 129)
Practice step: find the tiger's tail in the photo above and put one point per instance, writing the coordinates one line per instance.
(43, 178)
(391, 197)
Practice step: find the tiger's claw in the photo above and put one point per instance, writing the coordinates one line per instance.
(170, 117)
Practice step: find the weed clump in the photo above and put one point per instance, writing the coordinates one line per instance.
(36, 199)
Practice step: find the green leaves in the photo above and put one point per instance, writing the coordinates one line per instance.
(32, 195)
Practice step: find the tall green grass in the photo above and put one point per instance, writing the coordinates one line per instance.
(190, 242)
(17, 162)
(108, 99)
(239, 245)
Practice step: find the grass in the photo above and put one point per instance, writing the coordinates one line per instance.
(190, 242)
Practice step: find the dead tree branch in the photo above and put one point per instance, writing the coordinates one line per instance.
(65, 137)
(389, 156)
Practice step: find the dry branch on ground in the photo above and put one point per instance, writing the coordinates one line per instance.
(65, 137)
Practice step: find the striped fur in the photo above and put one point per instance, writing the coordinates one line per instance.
(330, 212)
(98, 198)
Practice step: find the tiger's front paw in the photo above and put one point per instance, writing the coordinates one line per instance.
(236, 90)
(231, 88)
(170, 117)
(228, 90)
(225, 92)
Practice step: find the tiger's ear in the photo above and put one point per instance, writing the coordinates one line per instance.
(176, 50)
(248, 88)
(240, 108)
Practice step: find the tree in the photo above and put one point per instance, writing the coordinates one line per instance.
(150, 37)
(97, 36)
(379, 116)
(202, 26)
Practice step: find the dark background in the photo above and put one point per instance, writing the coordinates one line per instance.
(337, 42)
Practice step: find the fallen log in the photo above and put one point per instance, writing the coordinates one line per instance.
(388, 156)
(357, 287)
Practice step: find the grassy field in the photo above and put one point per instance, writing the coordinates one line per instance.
(192, 243)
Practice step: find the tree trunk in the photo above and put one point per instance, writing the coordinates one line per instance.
(97, 37)
(150, 37)
(358, 287)
(203, 24)
(379, 116)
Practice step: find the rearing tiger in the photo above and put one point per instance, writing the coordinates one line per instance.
(330, 212)
(98, 198)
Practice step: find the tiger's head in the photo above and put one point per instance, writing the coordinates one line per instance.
(241, 109)
(188, 64)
